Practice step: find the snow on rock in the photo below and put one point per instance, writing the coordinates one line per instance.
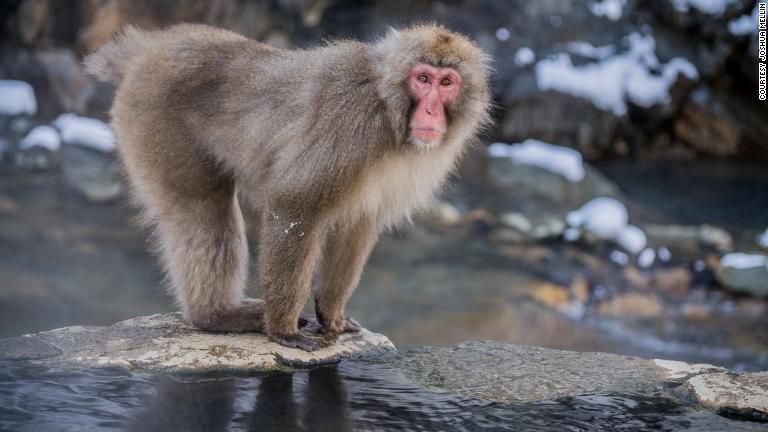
(664, 254)
(604, 217)
(635, 75)
(646, 258)
(17, 97)
(559, 160)
(41, 136)
(611, 9)
(571, 234)
(85, 131)
(762, 239)
(632, 239)
(740, 260)
(502, 34)
(524, 56)
(646, 89)
(619, 257)
(586, 49)
(607, 219)
(745, 24)
(710, 7)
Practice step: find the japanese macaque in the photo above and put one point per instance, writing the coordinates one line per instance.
(331, 145)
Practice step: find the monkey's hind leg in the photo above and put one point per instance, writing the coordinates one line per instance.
(205, 253)
(345, 252)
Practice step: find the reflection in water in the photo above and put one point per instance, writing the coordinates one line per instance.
(353, 396)
(195, 404)
(184, 405)
(275, 407)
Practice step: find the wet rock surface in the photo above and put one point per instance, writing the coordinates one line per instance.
(489, 371)
(521, 374)
(163, 342)
(743, 395)
(515, 373)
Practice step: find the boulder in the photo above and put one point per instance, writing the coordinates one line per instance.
(743, 395)
(746, 274)
(514, 373)
(531, 181)
(164, 342)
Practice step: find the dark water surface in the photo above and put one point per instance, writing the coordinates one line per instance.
(350, 396)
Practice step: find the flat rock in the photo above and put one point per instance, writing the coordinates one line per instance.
(733, 394)
(513, 373)
(164, 342)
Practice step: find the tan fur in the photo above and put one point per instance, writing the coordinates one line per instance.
(316, 139)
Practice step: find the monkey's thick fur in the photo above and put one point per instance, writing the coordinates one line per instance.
(317, 140)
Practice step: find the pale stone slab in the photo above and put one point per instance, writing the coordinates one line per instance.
(742, 394)
(164, 342)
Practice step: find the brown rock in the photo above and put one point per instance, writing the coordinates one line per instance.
(710, 132)
(631, 304)
(8, 205)
(696, 312)
(551, 295)
(580, 289)
(636, 279)
(675, 280)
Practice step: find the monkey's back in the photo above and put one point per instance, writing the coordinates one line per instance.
(172, 88)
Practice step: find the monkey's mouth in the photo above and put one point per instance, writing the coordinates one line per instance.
(429, 134)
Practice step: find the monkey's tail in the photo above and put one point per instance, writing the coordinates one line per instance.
(109, 62)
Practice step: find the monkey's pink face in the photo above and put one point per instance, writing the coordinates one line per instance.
(432, 88)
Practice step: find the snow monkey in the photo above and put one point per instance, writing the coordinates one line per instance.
(330, 145)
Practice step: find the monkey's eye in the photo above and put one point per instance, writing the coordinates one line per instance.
(423, 78)
(445, 81)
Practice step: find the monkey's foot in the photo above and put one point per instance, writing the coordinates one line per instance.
(246, 316)
(305, 320)
(344, 324)
(296, 341)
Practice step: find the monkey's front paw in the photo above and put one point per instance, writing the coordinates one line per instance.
(295, 341)
(341, 325)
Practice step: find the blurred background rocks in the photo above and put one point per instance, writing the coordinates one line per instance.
(656, 98)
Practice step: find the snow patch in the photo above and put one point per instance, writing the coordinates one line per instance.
(524, 56)
(619, 257)
(571, 234)
(699, 266)
(635, 75)
(664, 254)
(632, 239)
(607, 219)
(586, 49)
(740, 260)
(710, 7)
(17, 97)
(611, 9)
(604, 217)
(646, 258)
(559, 160)
(41, 136)
(762, 239)
(502, 34)
(745, 24)
(85, 131)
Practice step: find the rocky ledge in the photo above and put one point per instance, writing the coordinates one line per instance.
(519, 374)
(486, 370)
(164, 342)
